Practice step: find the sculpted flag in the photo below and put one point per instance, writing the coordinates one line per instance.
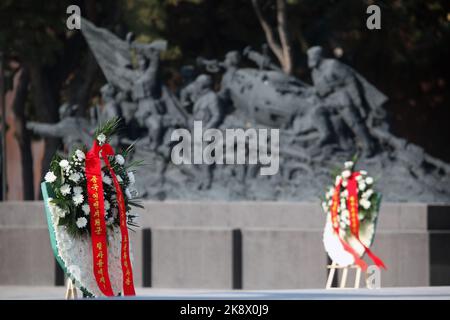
(112, 54)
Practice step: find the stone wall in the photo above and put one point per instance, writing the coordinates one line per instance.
(249, 245)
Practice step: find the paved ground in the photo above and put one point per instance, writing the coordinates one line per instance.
(25, 292)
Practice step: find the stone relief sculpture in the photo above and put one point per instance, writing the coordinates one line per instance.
(321, 124)
(73, 130)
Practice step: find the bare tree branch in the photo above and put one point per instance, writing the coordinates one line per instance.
(284, 36)
(268, 31)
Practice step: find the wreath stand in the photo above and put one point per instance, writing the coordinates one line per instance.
(71, 290)
(333, 267)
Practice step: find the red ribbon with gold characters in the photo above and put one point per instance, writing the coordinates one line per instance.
(352, 205)
(97, 220)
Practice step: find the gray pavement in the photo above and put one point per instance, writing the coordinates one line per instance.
(410, 293)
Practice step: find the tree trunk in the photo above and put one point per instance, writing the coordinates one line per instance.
(282, 48)
(45, 97)
(22, 135)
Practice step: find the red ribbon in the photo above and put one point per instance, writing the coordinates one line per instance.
(352, 204)
(98, 225)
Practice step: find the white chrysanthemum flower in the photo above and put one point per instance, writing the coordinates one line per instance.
(348, 164)
(77, 190)
(345, 214)
(60, 212)
(131, 177)
(359, 178)
(344, 183)
(64, 163)
(119, 179)
(346, 174)
(364, 203)
(128, 193)
(361, 186)
(369, 180)
(107, 205)
(338, 179)
(343, 205)
(80, 154)
(65, 189)
(324, 206)
(106, 179)
(367, 194)
(78, 199)
(120, 160)
(363, 172)
(101, 138)
(75, 177)
(86, 209)
(81, 222)
(344, 193)
(50, 177)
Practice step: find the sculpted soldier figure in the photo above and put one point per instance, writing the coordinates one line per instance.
(206, 103)
(342, 90)
(146, 91)
(263, 61)
(109, 108)
(206, 109)
(73, 130)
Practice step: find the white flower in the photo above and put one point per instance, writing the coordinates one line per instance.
(364, 203)
(50, 177)
(106, 179)
(338, 179)
(345, 214)
(343, 205)
(86, 209)
(107, 205)
(78, 199)
(131, 177)
(80, 154)
(65, 189)
(361, 186)
(324, 206)
(344, 193)
(75, 177)
(359, 178)
(363, 172)
(60, 212)
(348, 164)
(64, 163)
(369, 180)
(367, 194)
(344, 183)
(77, 190)
(119, 179)
(120, 160)
(81, 222)
(346, 174)
(101, 138)
(128, 193)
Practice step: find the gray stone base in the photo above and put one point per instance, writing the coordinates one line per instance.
(239, 245)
